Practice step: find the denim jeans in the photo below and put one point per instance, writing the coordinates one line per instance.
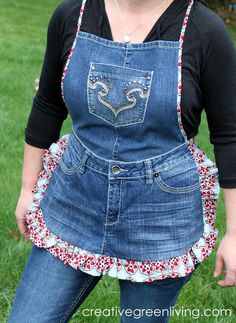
(50, 291)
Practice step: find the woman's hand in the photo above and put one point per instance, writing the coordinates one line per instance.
(226, 255)
(25, 199)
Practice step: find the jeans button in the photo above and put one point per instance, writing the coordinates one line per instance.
(116, 169)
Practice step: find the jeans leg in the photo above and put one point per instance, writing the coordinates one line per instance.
(49, 291)
(141, 299)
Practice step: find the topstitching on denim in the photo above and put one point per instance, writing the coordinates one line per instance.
(97, 164)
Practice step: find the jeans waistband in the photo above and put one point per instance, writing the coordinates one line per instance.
(117, 169)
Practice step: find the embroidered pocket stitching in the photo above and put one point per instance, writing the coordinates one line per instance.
(100, 80)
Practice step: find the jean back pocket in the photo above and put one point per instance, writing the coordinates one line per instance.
(118, 95)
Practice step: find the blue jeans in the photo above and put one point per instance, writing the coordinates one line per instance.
(50, 291)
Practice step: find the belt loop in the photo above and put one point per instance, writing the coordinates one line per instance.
(149, 171)
(83, 161)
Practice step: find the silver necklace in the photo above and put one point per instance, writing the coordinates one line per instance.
(127, 37)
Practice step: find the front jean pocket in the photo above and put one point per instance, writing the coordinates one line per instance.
(69, 161)
(180, 178)
(117, 94)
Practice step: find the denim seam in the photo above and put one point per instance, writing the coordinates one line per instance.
(126, 56)
(110, 224)
(104, 240)
(118, 66)
(154, 169)
(115, 143)
(120, 196)
(130, 177)
(138, 176)
(106, 220)
(78, 297)
(96, 170)
(124, 162)
(162, 167)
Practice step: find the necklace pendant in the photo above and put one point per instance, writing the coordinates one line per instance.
(127, 39)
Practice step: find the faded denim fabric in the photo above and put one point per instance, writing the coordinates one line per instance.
(127, 107)
(135, 190)
(144, 210)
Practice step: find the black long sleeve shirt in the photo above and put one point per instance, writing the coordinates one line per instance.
(209, 74)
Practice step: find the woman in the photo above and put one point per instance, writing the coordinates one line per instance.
(128, 193)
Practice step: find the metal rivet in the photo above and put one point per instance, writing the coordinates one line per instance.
(116, 169)
(156, 174)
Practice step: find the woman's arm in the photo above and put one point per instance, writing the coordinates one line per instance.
(45, 120)
(219, 93)
(48, 109)
(219, 98)
(226, 252)
(32, 165)
(230, 207)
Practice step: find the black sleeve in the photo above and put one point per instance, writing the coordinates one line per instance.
(48, 109)
(219, 98)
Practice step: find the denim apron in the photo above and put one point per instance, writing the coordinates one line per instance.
(125, 194)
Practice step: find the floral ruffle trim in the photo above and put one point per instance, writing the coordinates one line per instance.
(136, 271)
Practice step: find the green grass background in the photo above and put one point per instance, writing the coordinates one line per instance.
(22, 43)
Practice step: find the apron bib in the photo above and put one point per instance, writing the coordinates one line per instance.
(125, 194)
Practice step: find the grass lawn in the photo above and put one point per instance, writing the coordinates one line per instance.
(22, 42)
